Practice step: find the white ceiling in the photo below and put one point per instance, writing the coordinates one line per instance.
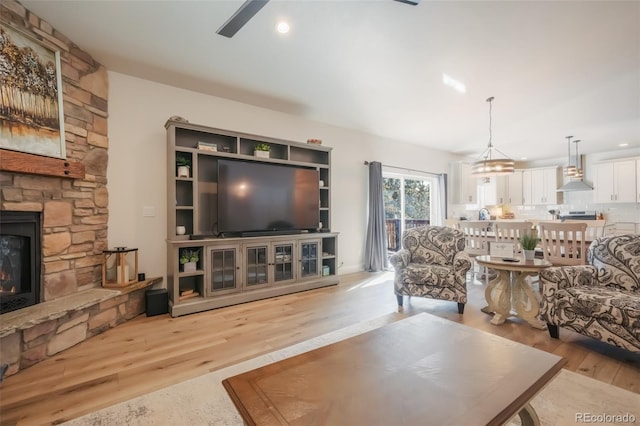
(555, 68)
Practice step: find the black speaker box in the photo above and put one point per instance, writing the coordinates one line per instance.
(157, 302)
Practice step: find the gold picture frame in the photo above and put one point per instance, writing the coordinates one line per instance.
(31, 114)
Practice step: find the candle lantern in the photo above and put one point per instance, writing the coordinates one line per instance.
(120, 267)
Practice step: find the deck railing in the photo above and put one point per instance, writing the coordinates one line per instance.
(394, 236)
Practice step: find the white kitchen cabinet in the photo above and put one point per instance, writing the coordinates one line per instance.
(508, 188)
(527, 196)
(523, 187)
(616, 181)
(464, 185)
(540, 185)
(552, 182)
(514, 188)
(502, 192)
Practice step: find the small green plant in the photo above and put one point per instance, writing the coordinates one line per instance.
(262, 147)
(528, 241)
(189, 255)
(183, 161)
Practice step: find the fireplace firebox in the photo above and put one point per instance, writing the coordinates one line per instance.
(20, 259)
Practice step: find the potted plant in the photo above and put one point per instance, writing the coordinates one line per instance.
(189, 259)
(184, 166)
(262, 150)
(529, 241)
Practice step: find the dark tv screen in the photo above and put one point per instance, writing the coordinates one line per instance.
(266, 197)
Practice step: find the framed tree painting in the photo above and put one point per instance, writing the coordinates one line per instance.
(31, 118)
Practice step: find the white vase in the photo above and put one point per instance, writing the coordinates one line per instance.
(183, 171)
(189, 267)
(529, 254)
(262, 154)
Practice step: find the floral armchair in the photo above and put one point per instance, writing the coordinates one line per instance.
(433, 264)
(600, 299)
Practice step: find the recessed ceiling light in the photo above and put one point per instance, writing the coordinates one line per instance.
(452, 82)
(622, 145)
(282, 27)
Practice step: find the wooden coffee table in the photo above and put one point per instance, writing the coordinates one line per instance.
(505, 293)
(420, 370)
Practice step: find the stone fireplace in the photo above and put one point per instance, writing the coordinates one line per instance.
(20, 258)
(68, 198)
(72, 210)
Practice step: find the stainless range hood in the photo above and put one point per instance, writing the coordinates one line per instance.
(575, 185)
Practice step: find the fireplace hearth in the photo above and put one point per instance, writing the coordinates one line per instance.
(20, 259)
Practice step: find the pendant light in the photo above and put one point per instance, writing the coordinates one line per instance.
(575, 182)
(578, 174)
(570, 170)
(488, 165)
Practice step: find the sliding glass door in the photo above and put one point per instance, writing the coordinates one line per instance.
(409, 202)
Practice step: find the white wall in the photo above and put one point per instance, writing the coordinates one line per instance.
(138, 110)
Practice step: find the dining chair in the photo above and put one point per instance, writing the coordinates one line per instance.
(476, 240)
(452, 223)
(510, 232)
(595, 229)
(563, 243)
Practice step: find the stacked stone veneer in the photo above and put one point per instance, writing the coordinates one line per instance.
(35, 333)
(74, 211)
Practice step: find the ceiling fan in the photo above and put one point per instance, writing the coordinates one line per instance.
(250, 7)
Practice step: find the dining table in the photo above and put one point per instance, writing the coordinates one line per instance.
(510, 294)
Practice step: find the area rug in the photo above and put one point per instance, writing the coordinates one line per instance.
(569, 399)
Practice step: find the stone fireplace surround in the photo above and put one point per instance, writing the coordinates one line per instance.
(73, 306)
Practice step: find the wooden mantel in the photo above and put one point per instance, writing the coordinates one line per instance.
(12, 161)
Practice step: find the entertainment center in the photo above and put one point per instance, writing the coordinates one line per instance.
(244, 226)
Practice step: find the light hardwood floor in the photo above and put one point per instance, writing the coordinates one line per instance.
(149, 353)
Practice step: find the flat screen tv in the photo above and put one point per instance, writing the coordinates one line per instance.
(266, 198)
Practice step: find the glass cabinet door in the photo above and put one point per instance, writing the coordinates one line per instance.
(224, 266)
(309, 258)
(283, 262)
(256, 265)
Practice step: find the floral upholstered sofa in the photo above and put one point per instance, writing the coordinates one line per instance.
(600, 299)
(433, 264)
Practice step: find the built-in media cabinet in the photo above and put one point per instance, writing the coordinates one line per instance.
(236, 267)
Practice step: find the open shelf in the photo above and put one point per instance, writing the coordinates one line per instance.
(225, 273)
